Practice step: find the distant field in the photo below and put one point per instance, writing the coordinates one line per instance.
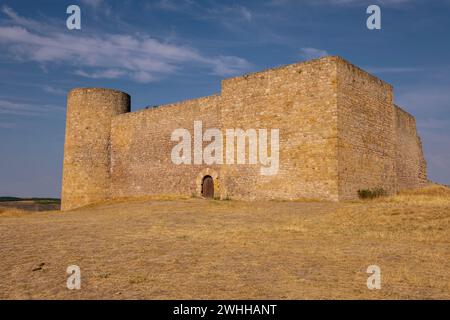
(199, 249)
(45, 200)
(30, 204)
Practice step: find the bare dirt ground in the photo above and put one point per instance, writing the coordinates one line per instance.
(199, 249)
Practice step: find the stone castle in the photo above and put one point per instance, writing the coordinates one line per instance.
(339, 131)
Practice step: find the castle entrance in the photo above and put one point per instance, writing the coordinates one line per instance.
(208, 187)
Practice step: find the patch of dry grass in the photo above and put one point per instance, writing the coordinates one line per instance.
(162, 197)
(12, 212)
(193, 248)
(434, 195)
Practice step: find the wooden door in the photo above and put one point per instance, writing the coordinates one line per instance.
(208, 187)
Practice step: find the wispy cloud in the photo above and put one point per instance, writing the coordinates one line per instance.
(234, 12)
(386, 3)
(105, 74)
(92, 3)
(139, 57)
(227, 65)
(312, 53)
(210, 10)
(8, 107)
(53, 90)
(172, 5)
(367, 2)
(232, 16)
(21, 21)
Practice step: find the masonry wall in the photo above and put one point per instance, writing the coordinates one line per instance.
(141, 148)
(87, 149)
(366, 127)
(339, 132)
(299, 100)
(410, 162)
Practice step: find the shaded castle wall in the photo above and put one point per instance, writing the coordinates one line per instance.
(87, 166)
(141, 148)
(299, 100)
(366, 127)
(410, 162)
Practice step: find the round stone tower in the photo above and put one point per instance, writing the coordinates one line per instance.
(87, 159)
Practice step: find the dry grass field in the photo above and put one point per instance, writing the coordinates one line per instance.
(199, 249)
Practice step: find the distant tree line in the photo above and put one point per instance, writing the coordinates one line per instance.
(39, 200)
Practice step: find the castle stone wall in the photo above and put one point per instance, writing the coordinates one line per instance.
(339, 132)
(299, 100)
(141, 148)
(87, 149)
(410, 162)
(366, 128)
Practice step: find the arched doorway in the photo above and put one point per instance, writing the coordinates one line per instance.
(208, 187)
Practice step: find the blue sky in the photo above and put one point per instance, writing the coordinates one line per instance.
(165, 51)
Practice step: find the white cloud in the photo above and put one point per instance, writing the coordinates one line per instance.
(139, 57)
(18, 20)
(245, 13)
(211, 10)
(232, 13)
(236, 18)
(172, 5)
(226, 65)
(105, 74)
(92, 3)
(278, 2)
(368, 2)
(312, 53)
(53, 90)
(98, 8)
(362, 3)
(8, 107)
